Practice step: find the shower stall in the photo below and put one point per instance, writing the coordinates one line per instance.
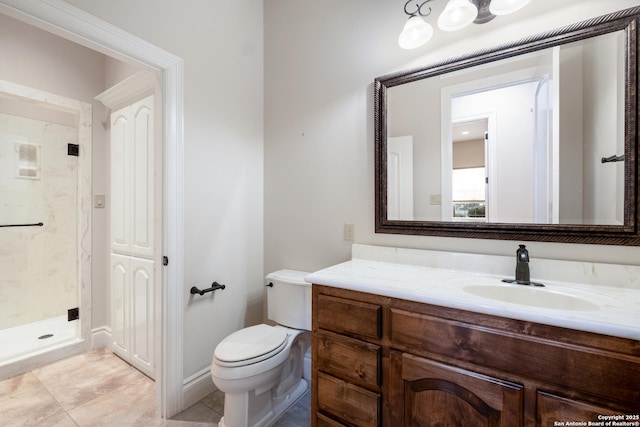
(45, 237)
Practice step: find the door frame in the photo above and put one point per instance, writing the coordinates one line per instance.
(67, 21)
(447, 93)
(490, 160)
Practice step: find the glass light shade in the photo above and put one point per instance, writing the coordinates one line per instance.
(416, 32)
(505, 7)
(457, 15)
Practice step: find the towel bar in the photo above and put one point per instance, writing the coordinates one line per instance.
(37, 224)
(214, 287)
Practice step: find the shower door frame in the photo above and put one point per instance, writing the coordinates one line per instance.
(67, 21)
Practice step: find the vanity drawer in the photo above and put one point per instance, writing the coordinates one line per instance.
(348, 358)
(347, 402)
(349, 316)
(322, 421)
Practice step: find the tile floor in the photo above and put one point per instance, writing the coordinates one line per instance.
(99, 389)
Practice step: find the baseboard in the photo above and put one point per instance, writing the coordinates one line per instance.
(100, 337)
(197, 387)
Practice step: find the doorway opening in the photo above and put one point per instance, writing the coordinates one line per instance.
(469, 175)
(64, 20)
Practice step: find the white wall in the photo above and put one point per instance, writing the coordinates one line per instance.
(571, 152)
(319, 173)
(412, 109)
(601, 131)
(221, 44)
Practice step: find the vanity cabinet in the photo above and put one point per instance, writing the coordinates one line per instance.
(382, 361)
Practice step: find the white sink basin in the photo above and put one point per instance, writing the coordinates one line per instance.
(532, 296)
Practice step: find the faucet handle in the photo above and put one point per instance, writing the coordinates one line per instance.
(522, 254)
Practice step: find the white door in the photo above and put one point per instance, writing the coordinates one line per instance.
(132, 234)
(400, 178)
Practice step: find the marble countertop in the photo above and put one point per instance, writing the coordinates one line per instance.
(606, 310)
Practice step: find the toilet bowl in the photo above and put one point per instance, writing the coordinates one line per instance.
(261, 368)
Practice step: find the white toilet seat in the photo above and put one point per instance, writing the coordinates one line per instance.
(250, 345)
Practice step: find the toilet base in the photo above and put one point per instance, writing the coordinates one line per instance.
(279, 409)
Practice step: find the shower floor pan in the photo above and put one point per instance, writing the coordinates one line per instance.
(35, 338)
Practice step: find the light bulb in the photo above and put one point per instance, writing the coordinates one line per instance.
(416, 32)
(457, 14)
(505, 7)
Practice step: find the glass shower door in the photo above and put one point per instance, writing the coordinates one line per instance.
(38, 228)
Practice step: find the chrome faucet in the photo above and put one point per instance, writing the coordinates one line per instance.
(522, 265)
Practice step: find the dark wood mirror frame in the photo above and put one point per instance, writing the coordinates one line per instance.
(627, 234)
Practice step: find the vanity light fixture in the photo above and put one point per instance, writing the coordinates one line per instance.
(416, 31)
(456, 15)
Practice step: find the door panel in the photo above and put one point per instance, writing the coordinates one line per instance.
(120, 181)
(120, 283)
(435, 394)
(143, 176)
(142, 315)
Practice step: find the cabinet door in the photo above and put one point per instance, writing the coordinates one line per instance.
(120, 285)
(142, 178)
(121, 180)
(555, 410)
(142, 315)
(428, 393)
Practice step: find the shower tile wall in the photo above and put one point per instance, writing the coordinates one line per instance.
(38, 265)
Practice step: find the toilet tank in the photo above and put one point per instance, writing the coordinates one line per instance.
(289, 299)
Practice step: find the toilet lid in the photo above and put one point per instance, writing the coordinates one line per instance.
(251, 345)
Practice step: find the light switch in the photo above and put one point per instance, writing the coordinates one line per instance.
(99, 201)
(435, 199)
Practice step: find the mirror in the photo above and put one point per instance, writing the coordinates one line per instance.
(534, 140)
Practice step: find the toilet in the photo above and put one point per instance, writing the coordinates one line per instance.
(264, 369)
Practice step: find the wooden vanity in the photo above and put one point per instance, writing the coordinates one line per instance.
(384, 361)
